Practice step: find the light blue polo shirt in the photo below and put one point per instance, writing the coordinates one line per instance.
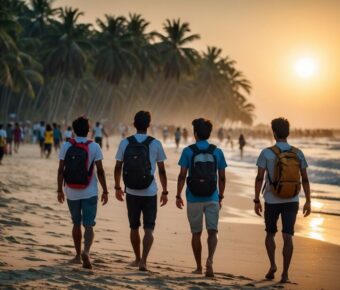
(185, 161)
(266, 161)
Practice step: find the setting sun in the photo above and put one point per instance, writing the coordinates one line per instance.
(305, 67)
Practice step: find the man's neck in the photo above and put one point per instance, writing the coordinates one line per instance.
(141, 132)
(282, 140)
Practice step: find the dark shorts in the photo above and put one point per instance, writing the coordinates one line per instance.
(48, 147)
(2, 152)
(141, 204)
(41, 142)
(56, 142)
(99, 140)
(288, 213)
(83, 211)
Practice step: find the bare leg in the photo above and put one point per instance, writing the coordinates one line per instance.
(197, 249)
(212, 243)
(135, 242)
(147, 243)
(287, 253)
(88, 240)
(271, 246)
(76, 234)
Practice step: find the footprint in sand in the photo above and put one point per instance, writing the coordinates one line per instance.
(34, 259)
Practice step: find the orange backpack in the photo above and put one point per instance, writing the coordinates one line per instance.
(286, 181)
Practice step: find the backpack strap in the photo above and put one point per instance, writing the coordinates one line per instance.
(88, 142)
(132, 140)
(72, 141)
(211, 148)
(275, 149)
(294, 150)
(194, 149)
(148, 140)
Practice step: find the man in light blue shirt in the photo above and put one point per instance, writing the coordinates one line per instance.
(202, 202)
(276, 205)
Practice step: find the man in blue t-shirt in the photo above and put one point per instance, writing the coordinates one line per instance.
(203, 203)
(275, 205)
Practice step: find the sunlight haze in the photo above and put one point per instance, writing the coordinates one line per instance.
(268, 39)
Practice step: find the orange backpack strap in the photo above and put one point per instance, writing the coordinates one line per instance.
(294, 150)
(275, 149)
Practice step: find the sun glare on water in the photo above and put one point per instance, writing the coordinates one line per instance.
(306, 67)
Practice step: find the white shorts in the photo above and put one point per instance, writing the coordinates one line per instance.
(195, 211)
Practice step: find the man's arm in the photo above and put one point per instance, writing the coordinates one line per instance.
(258, 186)
(163, 179)
(221, 184)
(180, 184)
(117, 175)
(306, 188)
(60, 179)
(102, 181)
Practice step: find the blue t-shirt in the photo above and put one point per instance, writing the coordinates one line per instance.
(185, 161)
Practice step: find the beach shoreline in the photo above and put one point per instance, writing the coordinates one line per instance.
(36, 242)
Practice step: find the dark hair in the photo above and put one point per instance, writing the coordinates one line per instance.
(142, 120)
(81, 126)
(42, 123)
(0, 126)
(48, 127)
(203, 128)
(97, 124)
(280, 127)
(69, 128)
(54, 125)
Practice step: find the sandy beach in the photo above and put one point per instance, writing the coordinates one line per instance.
(36, 242)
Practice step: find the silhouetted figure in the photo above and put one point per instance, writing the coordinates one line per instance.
(178, 136)
(242, 143)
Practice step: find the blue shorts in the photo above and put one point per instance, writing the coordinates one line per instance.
(83, 211)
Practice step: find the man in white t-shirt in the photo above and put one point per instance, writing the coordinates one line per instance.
(82, 199)
(275, 205)
(98, 133)
(142, 198)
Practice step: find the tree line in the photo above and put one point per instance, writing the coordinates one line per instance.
(53, 67)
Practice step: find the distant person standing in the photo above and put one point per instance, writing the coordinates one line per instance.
(220, 135)
(3, 137)
(17, 136)
(81, 186)
(178, 136)
(185, 135)
(57, 137)
(165, 133)
(242, 143)
(98, 133)
(286, 167)
(9, 138)
(204, 164)
(136, 160)
(68, 134)
(41, 137)
(48, 140)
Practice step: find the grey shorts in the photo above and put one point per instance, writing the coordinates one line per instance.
(195, 211)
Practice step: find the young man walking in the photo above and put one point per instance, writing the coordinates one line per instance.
(286, 167)
(137, 157)
(205, 165)
(98, 133)
(78, 157)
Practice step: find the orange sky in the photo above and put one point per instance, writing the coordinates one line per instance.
(266, 38)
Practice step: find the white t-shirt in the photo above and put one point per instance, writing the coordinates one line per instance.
(95, 154)
(3, 133)
(98, 132)
(157, 154)
(68, 134)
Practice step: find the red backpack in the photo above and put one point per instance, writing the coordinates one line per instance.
(76, 174)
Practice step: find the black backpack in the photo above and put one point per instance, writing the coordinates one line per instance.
(76, 174)
(137, 165)
(202, 181)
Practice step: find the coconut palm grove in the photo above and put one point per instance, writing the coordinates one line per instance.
(53, 67)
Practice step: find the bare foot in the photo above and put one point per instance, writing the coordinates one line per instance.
(209, 271)
(142, 266)
(86, 261)
(198, 271)
(284, 279)
(75, 260)
(270, 275)
(135, 263)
